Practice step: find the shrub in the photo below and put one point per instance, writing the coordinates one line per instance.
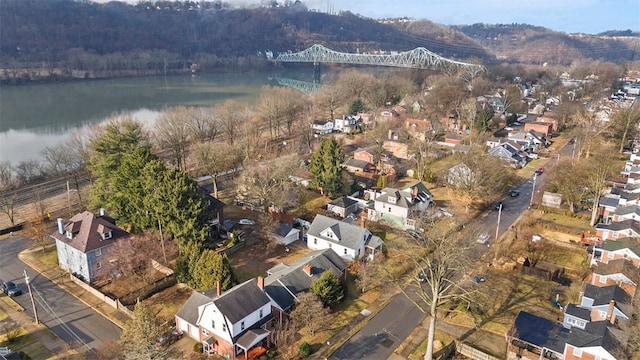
(197, 348)
(271, 353)
(264, 357)
(305, 349)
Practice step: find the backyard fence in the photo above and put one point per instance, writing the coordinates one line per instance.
(116, 304)
(472, 353)
(148, 290)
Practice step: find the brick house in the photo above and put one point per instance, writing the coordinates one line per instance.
(364, 155)
(541, 127)
(619, 272)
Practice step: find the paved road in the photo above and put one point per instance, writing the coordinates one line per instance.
(388, 329)
(384, 332)
(66, 316)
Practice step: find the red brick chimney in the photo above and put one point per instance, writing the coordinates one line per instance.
(261, 282)
(218, 288)
(307, 269)
(612, 303)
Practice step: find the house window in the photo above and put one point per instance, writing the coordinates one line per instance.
(241, 325)
(345, 251)
(224, 327)
(577, 352)
(69, 235)
(106, 235)
(205, 332)
(610, 255)
(98, 265)
(615, 234)
(602, 280)
(213, 324)
(260, 314)
(98, 252)
(603, 314)
(389, 208)
(330, 245)
(315, 241)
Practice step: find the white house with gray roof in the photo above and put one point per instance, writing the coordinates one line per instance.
(397, 206)
(228, 323)
(347, 240)
(285, 282)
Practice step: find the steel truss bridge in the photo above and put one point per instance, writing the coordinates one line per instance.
(303, 86)
(418, 58)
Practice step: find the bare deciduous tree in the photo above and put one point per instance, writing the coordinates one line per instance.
(268, 184)
(212, 159)
(438, 278)
(7, 196)
(172, 132)
(232, 115)
(310, 314)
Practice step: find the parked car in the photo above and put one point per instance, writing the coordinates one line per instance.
(246, 222)
(539, 171)
(11, 289)
(421, 277)
(169, 337)
(483, 238)
(514, 192)
(414, 234)
(572, 141)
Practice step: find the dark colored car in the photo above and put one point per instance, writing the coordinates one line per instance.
(11, 289)
(169, 337)
(514, 192)
(540, 171)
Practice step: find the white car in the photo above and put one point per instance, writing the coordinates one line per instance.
(483, 238)
(246, 222)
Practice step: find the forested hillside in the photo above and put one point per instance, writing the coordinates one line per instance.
(534, 44)
(34, 31)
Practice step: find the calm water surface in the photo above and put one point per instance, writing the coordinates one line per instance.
(35, 116)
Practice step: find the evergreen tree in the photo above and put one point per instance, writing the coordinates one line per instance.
(325, 168)
(210, 268)
(119, 137)
(328, 288)
(357, 106)
(173, 199)
(140, 334)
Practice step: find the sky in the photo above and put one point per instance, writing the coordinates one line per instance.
(587, 16)
(570, 16)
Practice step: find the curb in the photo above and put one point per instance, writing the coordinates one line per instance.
(23, 256)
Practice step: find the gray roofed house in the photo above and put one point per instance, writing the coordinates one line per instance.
(617, 230)
(342, 206)
(348, 240)
(229, 322)
(285, 234)
(353, 165)
(621, 272)
(608, 300)
(626, 213)
(397, 207)
(286, 281)
(599, 338)
(575, 316)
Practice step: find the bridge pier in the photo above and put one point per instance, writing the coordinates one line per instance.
(316, 72)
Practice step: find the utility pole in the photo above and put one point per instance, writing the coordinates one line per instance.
(33, 303)
(498, 225)
(533, 189)
(68, 195)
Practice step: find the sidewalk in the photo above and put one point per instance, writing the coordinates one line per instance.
(61, 278)
(486, 341)
(44, 336)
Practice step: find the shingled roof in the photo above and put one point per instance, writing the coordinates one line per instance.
(286, 281)
(241, 300)
(347, 235)
(87, 231)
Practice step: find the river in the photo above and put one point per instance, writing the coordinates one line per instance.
(33, 117)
